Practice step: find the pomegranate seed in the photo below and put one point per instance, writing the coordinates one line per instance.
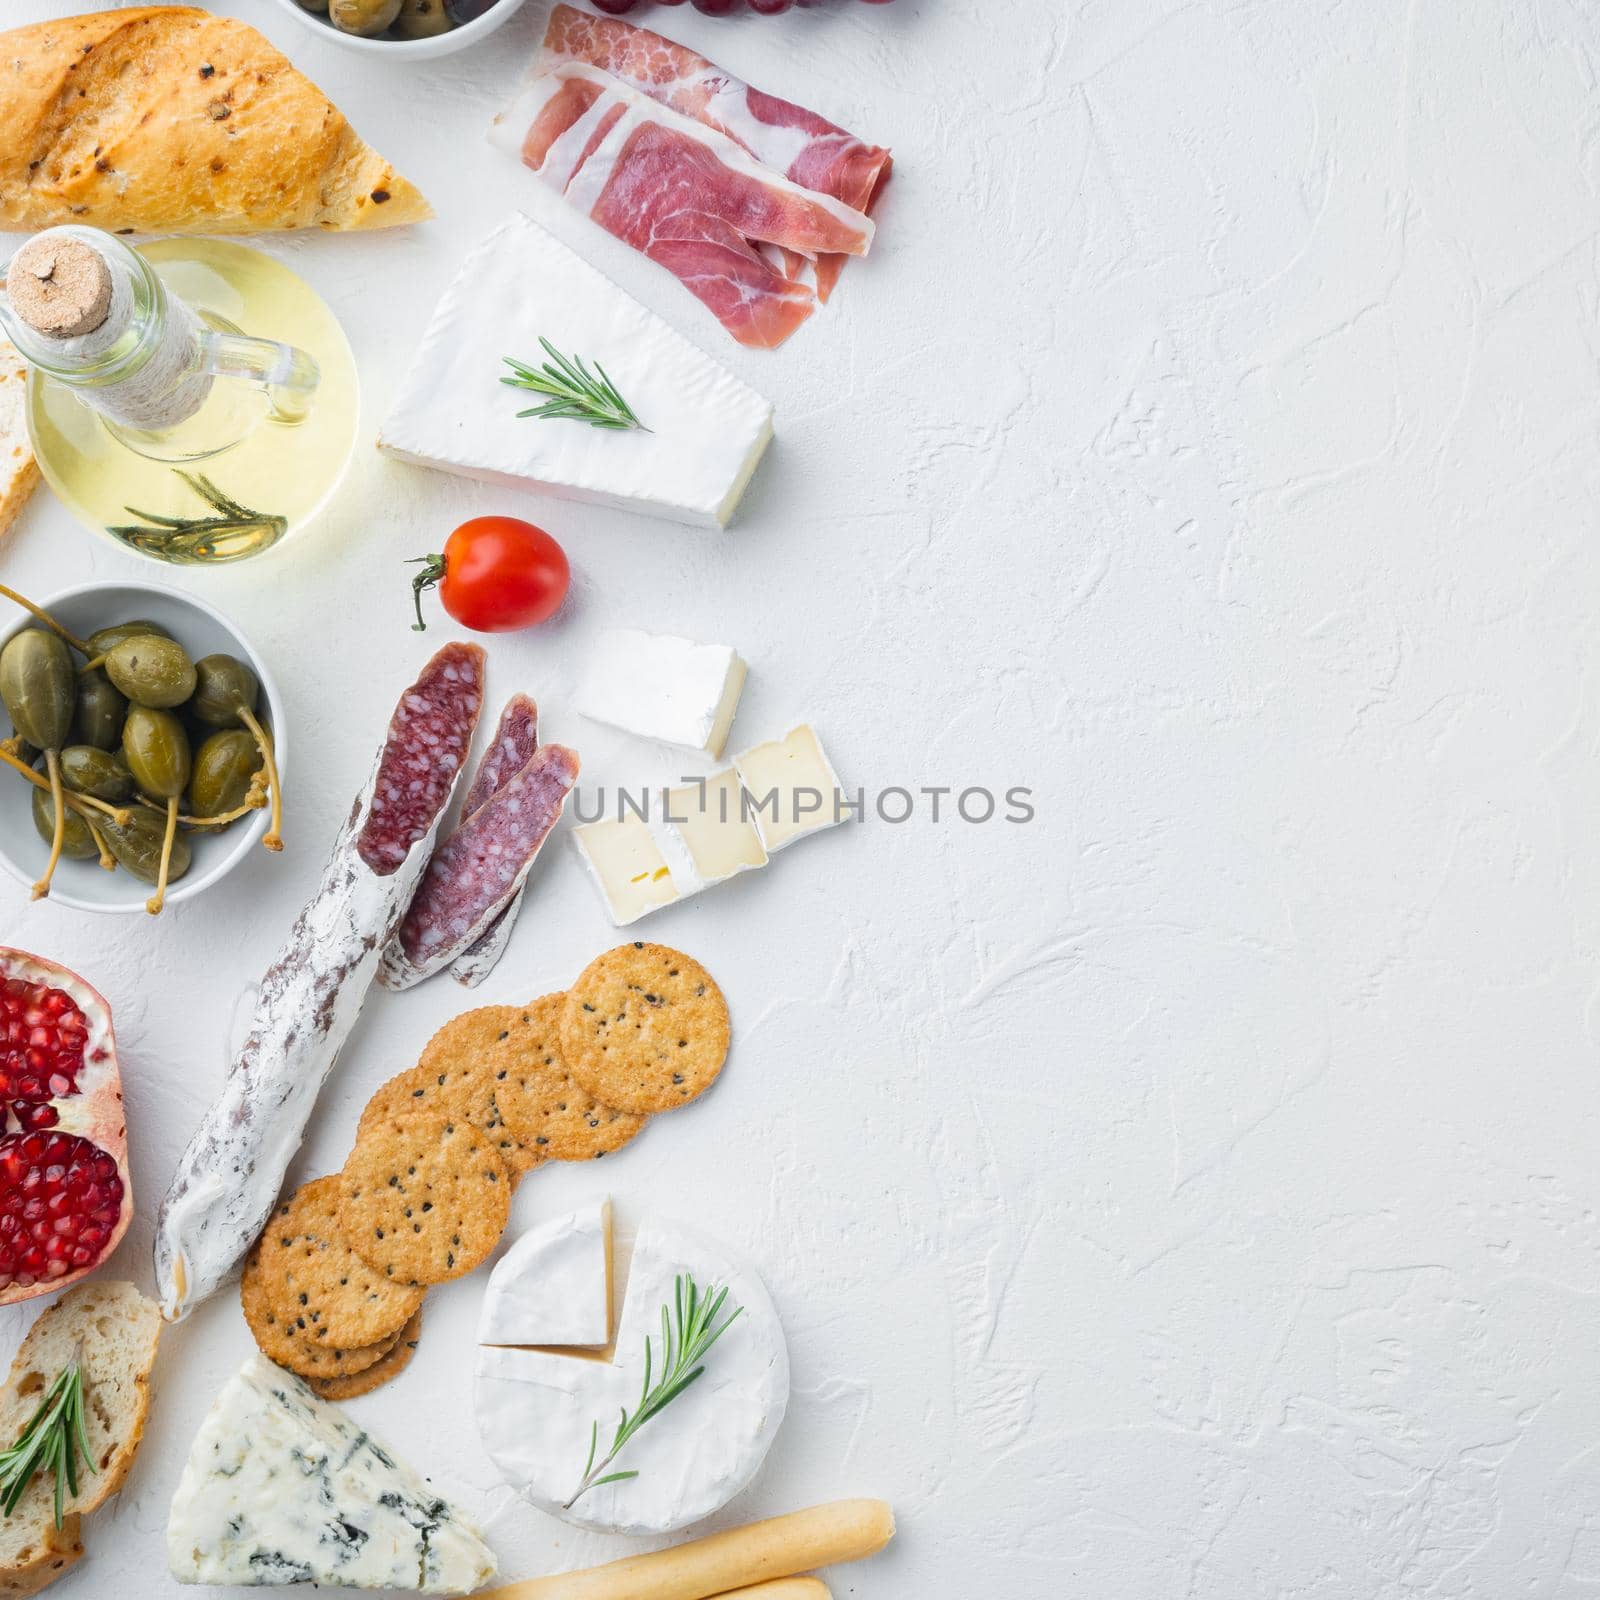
(60, 1197)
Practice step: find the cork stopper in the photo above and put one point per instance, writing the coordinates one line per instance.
(60, 287)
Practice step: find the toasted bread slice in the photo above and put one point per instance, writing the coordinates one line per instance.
(19, 472)
(113, 1331)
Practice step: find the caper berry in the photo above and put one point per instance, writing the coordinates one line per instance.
(101, 773)
(104, 640)
(223, 768)
(157, 752)
(76, 840)
(38, 687)
(222, 685)
(100, 711)
(151, 671)
(137, 842)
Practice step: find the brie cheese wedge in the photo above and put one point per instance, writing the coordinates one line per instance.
(627, 866)
(282, 1487)
(793, 789)
(554, 1285)
(662, 687)
(704, 431)
(538, 1409)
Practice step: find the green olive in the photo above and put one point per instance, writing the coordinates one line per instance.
(100, 713)
(151, 671)
(136, 844)
(39, 687)
(157, 752)
(363, 18)
(101, 773)
(76, 840)
(223, 684)
(421, 19)
(223, 768)
(103, 640)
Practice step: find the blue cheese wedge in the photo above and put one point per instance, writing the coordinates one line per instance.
(282, 1487)
(662, 687)
(706, 429)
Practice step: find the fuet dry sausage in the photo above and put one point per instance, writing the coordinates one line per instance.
(479, 869)
(230, 1174)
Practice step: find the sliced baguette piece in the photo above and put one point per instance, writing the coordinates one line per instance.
(113, 1330)
(19, 472)
(166, 119)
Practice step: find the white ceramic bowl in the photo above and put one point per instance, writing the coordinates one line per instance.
(202, 631)
(443, 44)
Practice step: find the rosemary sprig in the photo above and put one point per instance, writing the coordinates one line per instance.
(576, 394)
(197, 538)
(53, 1440)
(689, 1328)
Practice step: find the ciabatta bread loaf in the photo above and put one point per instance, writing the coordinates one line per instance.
(166, 119)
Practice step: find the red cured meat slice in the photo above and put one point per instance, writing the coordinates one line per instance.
(429, 736)
(478, 870)
(515, 739)
(686, 196)
(807, 148)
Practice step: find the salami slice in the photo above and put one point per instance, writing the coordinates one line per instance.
(478, 870)
(429, 736)
(515, 740)
(229, 1176)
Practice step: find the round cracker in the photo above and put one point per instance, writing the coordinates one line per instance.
(349, 1385)
(540, 1101)
(281, 1341)
(424, 1197)
(306, 1286)
(456, 1074)
(645, 1028)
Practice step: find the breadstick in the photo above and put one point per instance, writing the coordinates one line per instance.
(782, 1589)
(843, 1530)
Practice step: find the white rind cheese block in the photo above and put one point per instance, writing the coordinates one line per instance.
(662, 687)
(537, 1409)
(706, 429)
(554, 1285)
(797, 773)
(282, 1487)
(708, 831)
(627, 866)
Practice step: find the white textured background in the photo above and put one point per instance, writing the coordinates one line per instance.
(1192, 1193)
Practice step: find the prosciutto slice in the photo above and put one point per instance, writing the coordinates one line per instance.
(807, 149)
(689, 197)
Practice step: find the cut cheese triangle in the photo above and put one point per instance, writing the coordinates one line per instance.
(554, 1287)
(281, 1487)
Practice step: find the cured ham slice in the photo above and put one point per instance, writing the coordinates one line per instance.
(682, 193)
(805, 148)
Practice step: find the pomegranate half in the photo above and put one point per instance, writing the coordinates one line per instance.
(65, 1195)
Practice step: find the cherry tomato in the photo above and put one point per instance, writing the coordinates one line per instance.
(495, 575)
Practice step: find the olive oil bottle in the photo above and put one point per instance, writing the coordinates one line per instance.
(207, 416)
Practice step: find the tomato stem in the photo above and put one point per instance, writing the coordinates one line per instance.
(432, 571)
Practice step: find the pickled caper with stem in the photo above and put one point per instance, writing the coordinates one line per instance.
(225, 696)
(38, 687)
(151, 671)
(77, 842)
(156, 749)
(100, 712)
(422, 19)
(227, 779)
(149, 851)
(103, 773)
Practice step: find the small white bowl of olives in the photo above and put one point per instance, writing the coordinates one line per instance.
(217, 757)
(414, 29)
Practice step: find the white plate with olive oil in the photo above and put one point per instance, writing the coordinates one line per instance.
(202, 631)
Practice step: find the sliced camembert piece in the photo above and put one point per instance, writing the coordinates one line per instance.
(706, 834)
(793, 789)
(627, 865)
(553, 1286)
(282, 1487)
(662, 687)
(538, 1409)
(703, 430)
